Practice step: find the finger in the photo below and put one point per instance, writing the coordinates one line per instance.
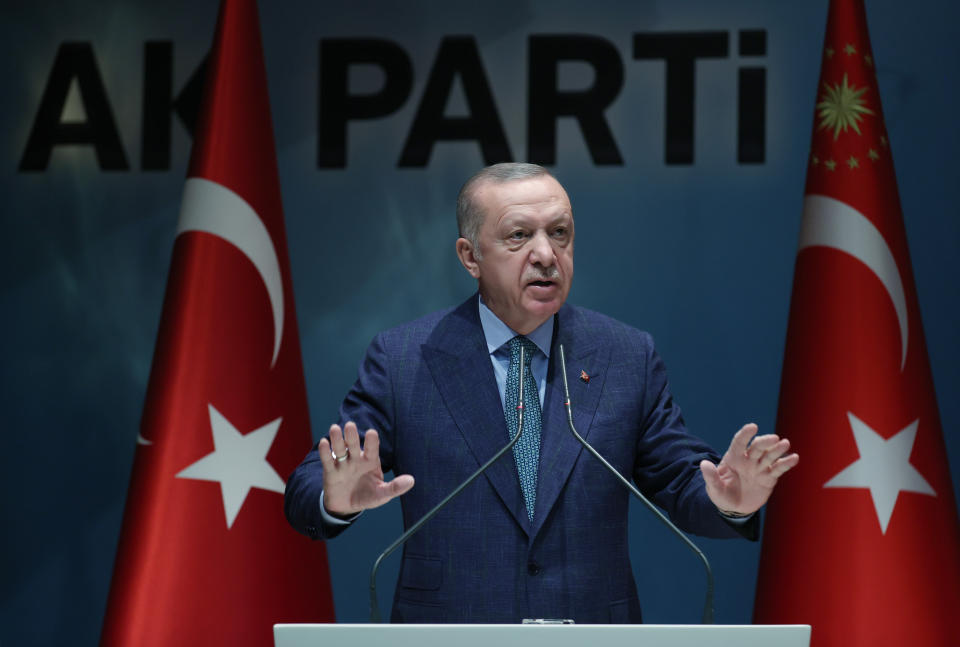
(710, 474)
(742, 438)
(723, 469)
(761, 445)
(337, 445)
(715, 484)
(783, 465)
(351, 437)
(371, 444)
(777, 451)
(323, 449)
(399, 485)
(387, 491)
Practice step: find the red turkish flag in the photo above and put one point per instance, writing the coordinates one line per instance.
(206, 556)
(862, 540)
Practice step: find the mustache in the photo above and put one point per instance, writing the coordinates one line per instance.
(546, 274)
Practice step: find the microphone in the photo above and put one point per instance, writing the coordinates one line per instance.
(708, 603)
(374, 605)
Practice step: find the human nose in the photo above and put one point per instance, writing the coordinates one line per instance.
(541, 251)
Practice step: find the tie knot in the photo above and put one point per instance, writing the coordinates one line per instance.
(529, 348)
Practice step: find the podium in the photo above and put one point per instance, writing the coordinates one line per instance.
(378, 635)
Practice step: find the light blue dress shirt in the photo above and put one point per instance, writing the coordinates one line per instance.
(498, 334)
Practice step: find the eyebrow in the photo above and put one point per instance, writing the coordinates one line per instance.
(522, 218)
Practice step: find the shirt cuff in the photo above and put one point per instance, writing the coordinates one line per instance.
(737, 520)
(335, 521)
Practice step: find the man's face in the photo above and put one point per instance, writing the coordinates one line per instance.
(525, 264)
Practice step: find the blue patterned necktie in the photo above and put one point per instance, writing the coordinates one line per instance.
(527, 450)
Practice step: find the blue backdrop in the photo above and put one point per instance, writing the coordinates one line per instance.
(700, 254)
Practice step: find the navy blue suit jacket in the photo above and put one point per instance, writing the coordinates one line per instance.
(428, 388)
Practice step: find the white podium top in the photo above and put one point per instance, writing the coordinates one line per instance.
(378, 635)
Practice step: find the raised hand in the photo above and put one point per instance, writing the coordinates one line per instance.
(748, 471)
(352, 477)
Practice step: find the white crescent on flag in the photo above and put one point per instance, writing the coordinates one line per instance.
(213, 208)
(827, 222)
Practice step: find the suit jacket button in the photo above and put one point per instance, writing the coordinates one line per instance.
(533, 568)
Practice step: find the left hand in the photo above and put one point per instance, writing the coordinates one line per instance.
(744, 479)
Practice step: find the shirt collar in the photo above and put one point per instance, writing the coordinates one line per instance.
(498, 333)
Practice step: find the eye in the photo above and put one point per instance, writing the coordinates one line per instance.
(517, 235)
(560, 232)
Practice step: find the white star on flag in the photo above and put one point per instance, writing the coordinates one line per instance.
(883, 467)
(238, 462)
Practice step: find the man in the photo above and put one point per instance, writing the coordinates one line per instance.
(543, 535)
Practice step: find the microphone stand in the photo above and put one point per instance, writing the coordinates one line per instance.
(708, 603)
(374, 605)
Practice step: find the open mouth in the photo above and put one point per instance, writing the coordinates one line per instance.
(541, 284)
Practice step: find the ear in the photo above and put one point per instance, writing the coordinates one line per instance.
(468, 257)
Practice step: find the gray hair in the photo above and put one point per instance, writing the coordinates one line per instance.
(470, 215)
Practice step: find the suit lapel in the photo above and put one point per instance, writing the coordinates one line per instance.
(457, 357)
(559, 449)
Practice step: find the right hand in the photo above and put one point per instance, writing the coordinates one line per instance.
(356, 484)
